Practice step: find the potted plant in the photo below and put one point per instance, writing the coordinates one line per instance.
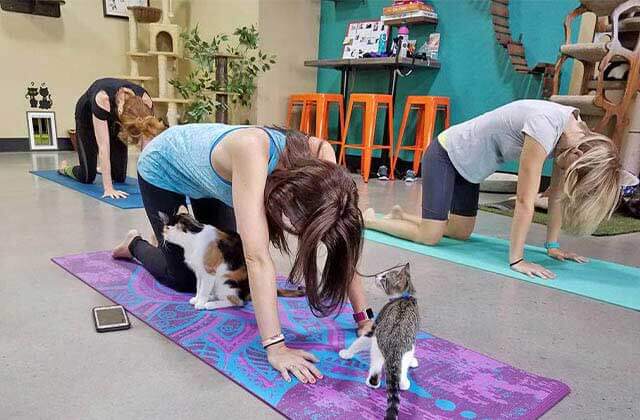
(246, 63)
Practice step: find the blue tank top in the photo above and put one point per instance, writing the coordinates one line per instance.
(179, 160)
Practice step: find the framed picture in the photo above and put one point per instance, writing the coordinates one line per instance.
(365, 37)
(118, 8)
(42, 130)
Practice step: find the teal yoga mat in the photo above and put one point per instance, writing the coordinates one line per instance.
(600, 280)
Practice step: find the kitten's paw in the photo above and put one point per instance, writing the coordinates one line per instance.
(414, 363)
(405, 384)
(210, 305)
(192, 301)
(200, 305)
(345, 354)
(373, 381)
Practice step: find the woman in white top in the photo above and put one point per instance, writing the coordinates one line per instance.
(585, 183)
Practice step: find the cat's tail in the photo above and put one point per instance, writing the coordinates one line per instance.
(392, 370)
(289, 293)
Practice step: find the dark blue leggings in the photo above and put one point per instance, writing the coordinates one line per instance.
(444, 190)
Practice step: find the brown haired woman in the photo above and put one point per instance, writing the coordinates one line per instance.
(105, 116)
(267, 182)
(585, 184)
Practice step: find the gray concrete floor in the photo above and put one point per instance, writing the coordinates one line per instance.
(54, 366)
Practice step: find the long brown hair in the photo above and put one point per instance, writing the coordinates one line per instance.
(137, 121)
(320, 201)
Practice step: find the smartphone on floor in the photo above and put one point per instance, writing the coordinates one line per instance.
(110, 318)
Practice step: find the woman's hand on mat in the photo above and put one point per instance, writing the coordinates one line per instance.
(298, 362)
(115, 194)
(561, 255)
(364, 327)
(533, 270)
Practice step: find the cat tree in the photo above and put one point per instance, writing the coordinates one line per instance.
(609, 106)
(163, 44)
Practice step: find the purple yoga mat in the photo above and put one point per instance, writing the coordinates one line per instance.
(451, 381)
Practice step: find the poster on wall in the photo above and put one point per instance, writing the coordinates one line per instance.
(118, 8)
(365, 37)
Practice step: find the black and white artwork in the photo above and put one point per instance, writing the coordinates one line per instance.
(39, 96)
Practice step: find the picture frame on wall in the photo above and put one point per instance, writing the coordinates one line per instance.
(42, 130)
(118, 8)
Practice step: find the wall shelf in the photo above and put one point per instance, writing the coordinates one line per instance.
(416, 20)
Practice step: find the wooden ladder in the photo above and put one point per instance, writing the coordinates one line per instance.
(515, 49)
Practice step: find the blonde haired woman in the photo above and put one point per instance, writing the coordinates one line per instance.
(109, 115)
(585, 184)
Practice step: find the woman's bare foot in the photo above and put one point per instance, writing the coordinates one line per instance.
(369, 215)
(63, 167)
(396, 213)
(121, 251)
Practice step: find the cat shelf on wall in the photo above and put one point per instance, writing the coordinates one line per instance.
(49, 8)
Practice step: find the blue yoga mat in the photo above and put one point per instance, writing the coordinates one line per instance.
(597, 279)
(130, 186)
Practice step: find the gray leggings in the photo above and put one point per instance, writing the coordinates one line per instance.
(444, 190)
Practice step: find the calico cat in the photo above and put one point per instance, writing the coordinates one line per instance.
(217, 260)
(392, 339)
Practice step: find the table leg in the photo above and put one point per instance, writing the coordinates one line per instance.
(345, 75)
(393, 86)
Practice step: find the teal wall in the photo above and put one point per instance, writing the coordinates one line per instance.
(476, 72)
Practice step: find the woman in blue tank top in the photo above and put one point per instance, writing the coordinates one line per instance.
(260, 182)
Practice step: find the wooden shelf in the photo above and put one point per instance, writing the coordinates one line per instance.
(583, 102)
(138, 54)
(374, 63)
(166, 54)
(171, 100)
(416, 20)
(608, 84)
(135, 78)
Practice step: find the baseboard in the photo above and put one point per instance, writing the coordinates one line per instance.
(22, 144)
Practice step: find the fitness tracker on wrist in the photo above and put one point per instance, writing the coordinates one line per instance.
(364, 315)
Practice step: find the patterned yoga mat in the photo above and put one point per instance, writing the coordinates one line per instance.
(451, 381)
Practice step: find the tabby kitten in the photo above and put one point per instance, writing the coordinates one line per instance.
(392, 339)
(217, 260)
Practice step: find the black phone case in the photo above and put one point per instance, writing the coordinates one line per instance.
(108, 329)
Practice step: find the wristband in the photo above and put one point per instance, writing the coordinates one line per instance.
(551, 245)
(272, 340)
(273, 343)
(364, 315)
(516, 262)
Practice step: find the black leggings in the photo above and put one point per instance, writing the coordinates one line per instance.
(86, 171)
(166, 262)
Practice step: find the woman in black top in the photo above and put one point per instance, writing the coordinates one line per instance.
(104, 124)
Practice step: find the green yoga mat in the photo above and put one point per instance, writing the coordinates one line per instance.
(619, 224)
(597, 279)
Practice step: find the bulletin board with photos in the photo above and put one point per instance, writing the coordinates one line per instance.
(365, 37)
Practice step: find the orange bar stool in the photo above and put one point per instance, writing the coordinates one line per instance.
(427, 107)
(370, 104)
(303, 100)
(322, 103)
